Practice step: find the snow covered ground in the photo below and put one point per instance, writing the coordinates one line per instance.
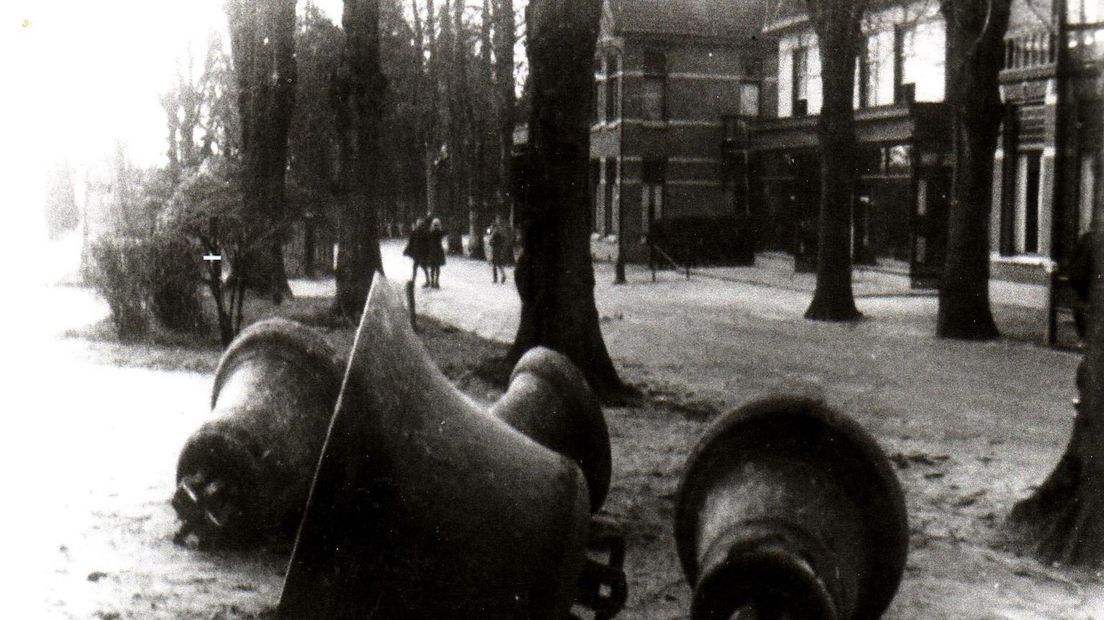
(89, 454)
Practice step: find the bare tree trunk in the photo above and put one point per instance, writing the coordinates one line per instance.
(262, 40)
(555, 277)
(422, 94)
(484, 172)
(457, 127)
(358, 99)
(432, 141)
(975, 55)
(1063, 521)
(504, 82)
(839, 34)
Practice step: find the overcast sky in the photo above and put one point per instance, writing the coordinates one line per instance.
(81, 74)
(93, 71)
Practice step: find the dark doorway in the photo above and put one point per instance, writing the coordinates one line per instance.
(929, 239)
(611, 180)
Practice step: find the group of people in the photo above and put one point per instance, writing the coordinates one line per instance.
(424, 247)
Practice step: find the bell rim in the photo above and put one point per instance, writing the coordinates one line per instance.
(887, 526)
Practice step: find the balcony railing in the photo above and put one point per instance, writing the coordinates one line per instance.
(1033, 48)
(1039, 47)
(1086, 43)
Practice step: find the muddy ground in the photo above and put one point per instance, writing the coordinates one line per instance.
(102, 526)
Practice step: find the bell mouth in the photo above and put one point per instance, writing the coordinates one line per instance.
(762, 584)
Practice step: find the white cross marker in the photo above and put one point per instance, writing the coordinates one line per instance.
(212, 257)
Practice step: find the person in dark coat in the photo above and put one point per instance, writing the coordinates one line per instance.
(417, 246)
(500, 248)
(435, 253)
(1081, 279)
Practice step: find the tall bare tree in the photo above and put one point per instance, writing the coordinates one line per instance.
(312, 163)
(555, 277)
(975, 55)
(838, 25)
(358, 90)
(481, 110)
(504, 40)
(263, 47)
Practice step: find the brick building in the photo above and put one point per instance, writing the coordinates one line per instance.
(708, 107)
(904, 133)
(670, 77)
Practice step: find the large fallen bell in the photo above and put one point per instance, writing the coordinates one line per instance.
(550, 402)
(249, 469)
(425, 505)
(788, 509)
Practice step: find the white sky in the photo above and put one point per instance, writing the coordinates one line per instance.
(90, 72)
(79, 75)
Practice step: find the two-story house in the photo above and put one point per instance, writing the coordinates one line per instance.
(902, 127)
(904, 131)
(669, 77)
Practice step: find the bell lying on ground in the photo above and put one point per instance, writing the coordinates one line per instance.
(248, 470)
(790, 510)
(424, 505)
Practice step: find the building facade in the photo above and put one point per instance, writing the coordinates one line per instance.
(1041, 202)
(1048, 164)
(710, 108)
(903, 131)
(669, 76)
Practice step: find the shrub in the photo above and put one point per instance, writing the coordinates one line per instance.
(117, 271)
(172, 278)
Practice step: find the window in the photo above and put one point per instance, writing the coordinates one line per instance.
(899, 159)
(613, 81)
(919, 63)
(1084, 11)
(749, 99)
(800, 81)
(1025, 223)
(598, 77)
(1087, 183)
(607, 206)
(654, 95)
(874, 78)
(651, 202)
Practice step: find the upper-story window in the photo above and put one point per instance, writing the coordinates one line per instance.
(920, 61)
(876, 65)
(613, 83)
(800, 81)
(1084, 11)
(598, 81)
(654, 94)
(653, 177)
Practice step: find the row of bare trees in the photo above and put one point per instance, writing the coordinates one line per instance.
(1063, 520)
(298, 112)
(466, 110)
(975, 35)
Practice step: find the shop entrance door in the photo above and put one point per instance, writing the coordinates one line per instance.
(929, 227)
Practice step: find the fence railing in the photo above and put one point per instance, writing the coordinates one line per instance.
(1032, 48)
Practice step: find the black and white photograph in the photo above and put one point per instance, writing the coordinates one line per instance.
(553, 309)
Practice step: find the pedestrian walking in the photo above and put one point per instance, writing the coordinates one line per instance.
(500, 247)
(417, 247)
(435, 254)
